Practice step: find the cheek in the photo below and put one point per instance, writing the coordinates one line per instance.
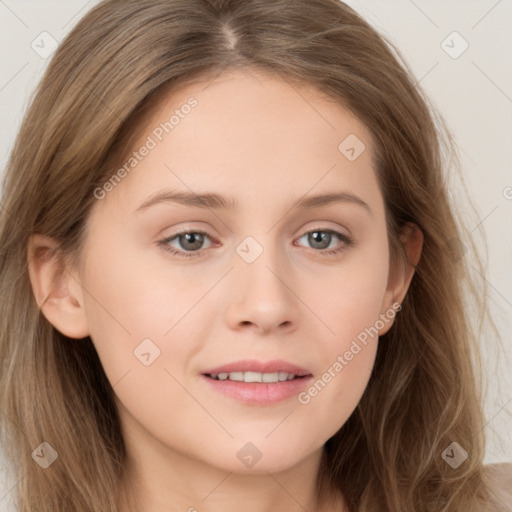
(138, 323)
(349, 307)
(348, 357)
(143, 295)
(350, 299)
(128, 302)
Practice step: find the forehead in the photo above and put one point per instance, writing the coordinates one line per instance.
(250, 97)
(241, 108)
(248, 133)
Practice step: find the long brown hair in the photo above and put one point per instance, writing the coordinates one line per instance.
(107, 74)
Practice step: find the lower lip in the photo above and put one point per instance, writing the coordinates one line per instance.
(259, 393)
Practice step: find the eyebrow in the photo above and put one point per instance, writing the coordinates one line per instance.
(217, 202)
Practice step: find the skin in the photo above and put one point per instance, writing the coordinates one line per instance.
(254, 138)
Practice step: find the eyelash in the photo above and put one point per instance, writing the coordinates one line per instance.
(346, 242)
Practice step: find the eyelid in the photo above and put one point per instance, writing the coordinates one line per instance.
(337, 230)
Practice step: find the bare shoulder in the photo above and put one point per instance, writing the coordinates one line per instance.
(501, 477)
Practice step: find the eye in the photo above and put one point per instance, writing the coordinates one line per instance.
(322, 238)
(190, 243)
(188, 240)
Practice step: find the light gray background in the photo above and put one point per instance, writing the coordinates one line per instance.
(473, 92)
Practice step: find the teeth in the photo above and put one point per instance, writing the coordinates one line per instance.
(254, 376)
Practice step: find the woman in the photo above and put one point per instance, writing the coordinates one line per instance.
(253, 369)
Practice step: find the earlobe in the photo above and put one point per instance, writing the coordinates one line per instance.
(400, 279)
(57, 291)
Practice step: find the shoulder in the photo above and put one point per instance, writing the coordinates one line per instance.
(500, 476)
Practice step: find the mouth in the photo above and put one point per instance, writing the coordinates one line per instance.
(253, 391)
(258, 377)
(254, 382)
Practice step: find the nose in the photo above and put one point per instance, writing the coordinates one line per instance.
(263, 298)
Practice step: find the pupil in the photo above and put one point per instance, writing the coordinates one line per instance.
(319, 235)
(191, 238)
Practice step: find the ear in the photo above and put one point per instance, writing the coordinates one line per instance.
(57, 289)
(401, 276)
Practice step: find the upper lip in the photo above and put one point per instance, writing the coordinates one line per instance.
(252, 365)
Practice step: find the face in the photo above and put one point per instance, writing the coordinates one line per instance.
(173, 288)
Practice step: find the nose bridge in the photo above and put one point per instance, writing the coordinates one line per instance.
(260, 264)
(262, 294)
